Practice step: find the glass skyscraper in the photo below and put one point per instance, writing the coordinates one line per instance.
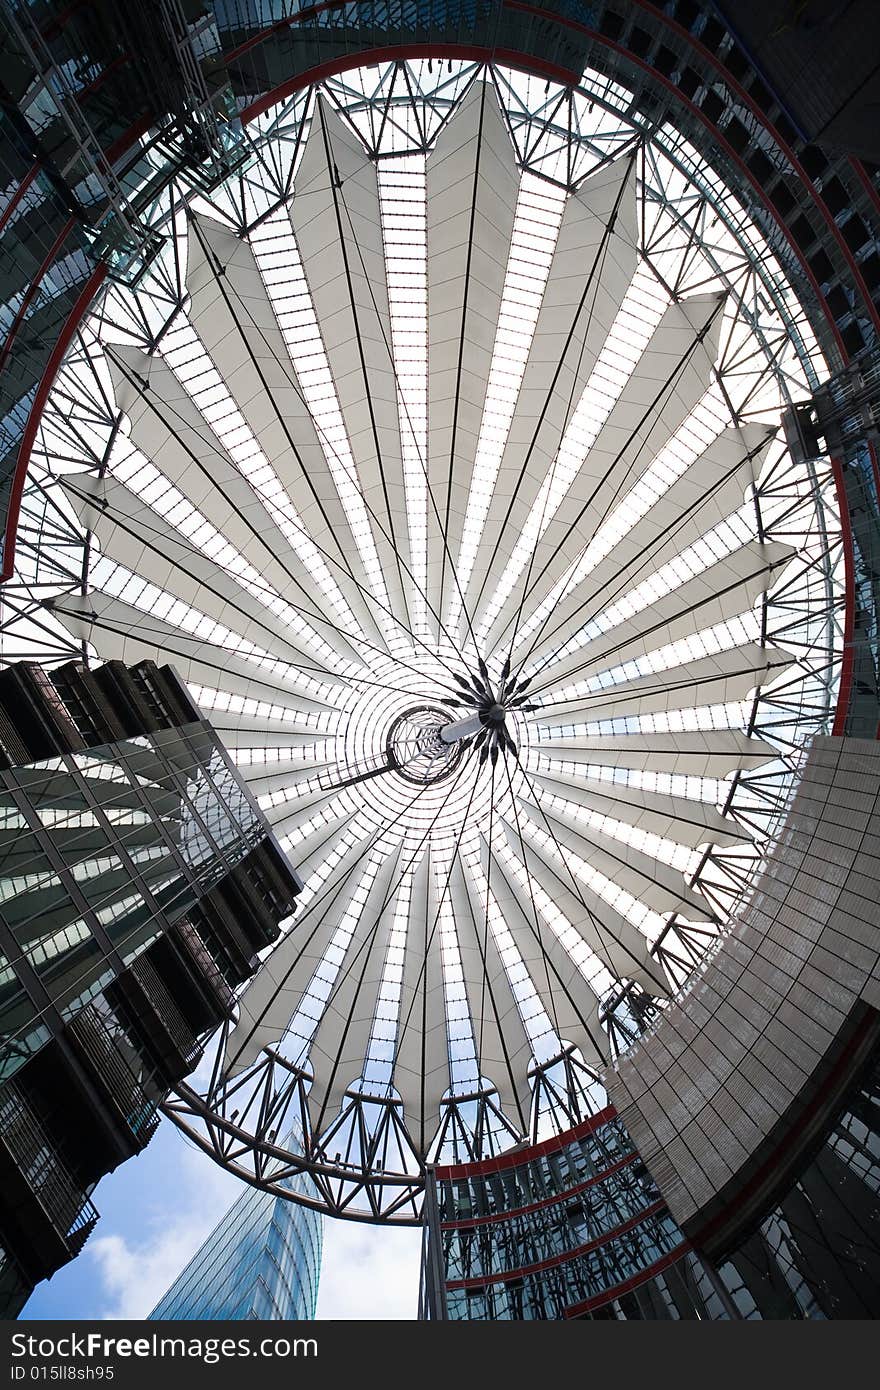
(261, 1261)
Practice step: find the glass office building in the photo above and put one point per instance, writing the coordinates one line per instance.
(261, 1261)
(100, 850)
(138, 883)
(551, 1231)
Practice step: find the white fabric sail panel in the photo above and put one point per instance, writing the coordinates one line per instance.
(504, 1052)
(287, 817)
(266, 777)
(722, 591)
(143, 542)
(236, 324)
(170, 431)
(697, 753)
(342, 1037)
(641, 875)
(472, 188)
(678, 818)
(707, 680)
(666, 384)
(619, 945)
(567, 998)
(125, 633)
(593, 264)
(706, 494)
(259, 731)
(313, 853)
(421, 1060)
(337, 221)
(270, 1000)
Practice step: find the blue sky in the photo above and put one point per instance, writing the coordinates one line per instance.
(158, 1208)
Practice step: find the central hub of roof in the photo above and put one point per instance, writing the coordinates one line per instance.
(492, 714)
(415, 748)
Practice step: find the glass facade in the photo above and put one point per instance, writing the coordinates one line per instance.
(576, 1228)
(262, 1261)
(817, 1254)
(536, 1234)
(138, 884)
(100, 851)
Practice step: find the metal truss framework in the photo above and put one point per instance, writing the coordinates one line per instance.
(692, 237)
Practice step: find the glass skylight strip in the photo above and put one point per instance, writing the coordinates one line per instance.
(265, 755)
(402, 197)
(153, 488)
(463, 1067)
(648, 922)
(660, 847)
(639, 314)
(118, 582)
(718, 544)
(707, 790)
(225, 702)
(183, 351)
(597, 975)
(277, 255)
(537, 1023)
(358, 825)
(382, 1046)
(722, 637)
(539, 207)
(305, 1021)
(704, 425)
(322, 812)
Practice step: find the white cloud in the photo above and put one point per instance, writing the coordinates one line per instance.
(134, 1275)
(369, 1272)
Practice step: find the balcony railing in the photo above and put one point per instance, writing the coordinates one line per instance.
(192, 943)
(185, 1043)
(36, 1156)
(108, 1049)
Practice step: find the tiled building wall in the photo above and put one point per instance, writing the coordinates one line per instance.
(728, 1066)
